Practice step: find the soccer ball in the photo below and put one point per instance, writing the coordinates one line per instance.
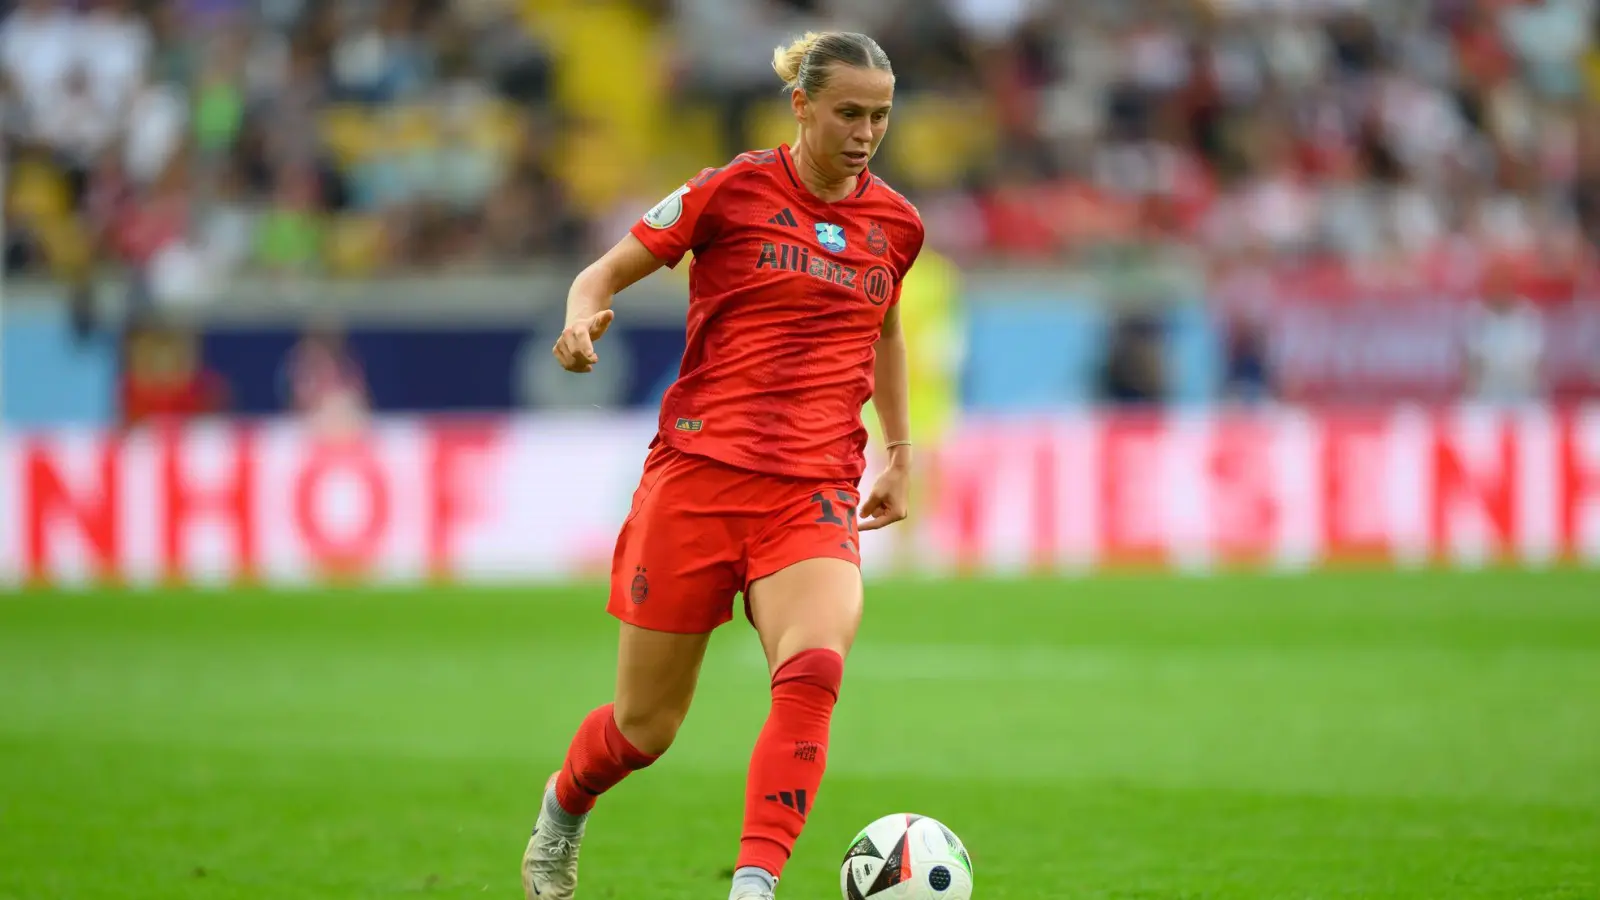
(906, 857)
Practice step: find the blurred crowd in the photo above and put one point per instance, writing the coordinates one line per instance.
(188, 140)
(1415, 132)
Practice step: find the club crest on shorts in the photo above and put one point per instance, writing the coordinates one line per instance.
(831, 237)
(639, 590)
(666, 213)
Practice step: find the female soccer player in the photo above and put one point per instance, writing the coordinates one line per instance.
(751, 483)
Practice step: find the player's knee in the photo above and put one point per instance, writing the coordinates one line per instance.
(650, 729)
(819, 668)
(795, 642)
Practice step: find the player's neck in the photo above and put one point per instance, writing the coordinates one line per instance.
(826, 187)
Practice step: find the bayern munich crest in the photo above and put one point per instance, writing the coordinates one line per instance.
(877, 241)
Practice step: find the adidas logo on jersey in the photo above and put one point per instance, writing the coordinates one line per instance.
(785, 218)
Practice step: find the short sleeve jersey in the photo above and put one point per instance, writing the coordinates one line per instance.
(787, 298)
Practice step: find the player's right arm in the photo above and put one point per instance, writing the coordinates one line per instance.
(681, 222)
(589, 300)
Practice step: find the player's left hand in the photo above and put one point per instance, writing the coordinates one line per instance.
(889, 501)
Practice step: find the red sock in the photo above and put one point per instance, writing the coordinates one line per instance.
(598, 758)
(790, 756)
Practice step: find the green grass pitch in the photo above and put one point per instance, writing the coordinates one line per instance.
(1359, 735)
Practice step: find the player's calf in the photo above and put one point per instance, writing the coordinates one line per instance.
(599, 757)
(806, 613)
(786, 768)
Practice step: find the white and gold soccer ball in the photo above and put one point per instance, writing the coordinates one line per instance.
(906, 857)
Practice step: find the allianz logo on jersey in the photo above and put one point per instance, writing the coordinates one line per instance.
(796, 258)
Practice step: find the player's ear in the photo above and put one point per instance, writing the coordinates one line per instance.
(799, 102)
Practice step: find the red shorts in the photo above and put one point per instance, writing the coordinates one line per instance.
(701, 531)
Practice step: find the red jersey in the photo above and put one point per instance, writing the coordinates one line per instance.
(787, 295)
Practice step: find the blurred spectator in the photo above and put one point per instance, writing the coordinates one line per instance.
(163, 379)
(1247, 374)
(1504, 348)
(325, 381)
(719, 62)
(1134, 372)
(288, 232)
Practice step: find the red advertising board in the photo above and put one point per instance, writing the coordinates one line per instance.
(540, 498)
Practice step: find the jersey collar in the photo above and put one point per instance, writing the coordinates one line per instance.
(792, 172)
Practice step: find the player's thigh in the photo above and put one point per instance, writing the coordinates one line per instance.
(812, 604)
(676, 567)
(656, 676)
(805, 587)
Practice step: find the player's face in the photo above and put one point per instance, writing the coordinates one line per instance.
(845, 122)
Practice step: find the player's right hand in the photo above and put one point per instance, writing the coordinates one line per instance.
(575, 348)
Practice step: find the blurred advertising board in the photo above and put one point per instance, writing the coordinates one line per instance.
(1335, 335)
(539, 497)
(426, 368)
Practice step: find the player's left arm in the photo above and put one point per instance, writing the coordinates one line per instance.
(889, 501)
(891, 399)
(891, 395)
